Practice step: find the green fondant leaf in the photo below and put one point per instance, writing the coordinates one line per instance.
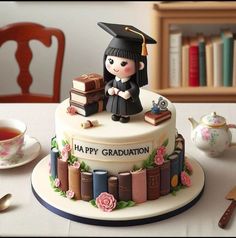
(63, 143)
(54, 142)
(130, 204)
(62, 193)
(135, 168)
(93, 202)
(121, 204)
(57, 189)
(165, 143)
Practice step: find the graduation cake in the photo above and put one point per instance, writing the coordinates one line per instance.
(115, 144)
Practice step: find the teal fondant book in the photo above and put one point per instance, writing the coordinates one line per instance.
(202, 63)
(227, 38)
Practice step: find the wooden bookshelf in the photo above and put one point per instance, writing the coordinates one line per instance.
(166, 14)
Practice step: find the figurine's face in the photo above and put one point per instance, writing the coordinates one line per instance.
(120, 67)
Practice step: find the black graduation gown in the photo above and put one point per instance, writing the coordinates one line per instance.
(120, 106)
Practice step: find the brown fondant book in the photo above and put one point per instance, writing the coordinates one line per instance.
(156, 119)
(89, 109)
(153, 183)
(125, 186)
(87, 82)
(86, 97)
(74, 181)
(86, 186)
(62, 174)
(139, 186)
(165, 178)
(113, 186)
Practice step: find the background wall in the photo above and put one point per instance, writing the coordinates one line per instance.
(85, 41)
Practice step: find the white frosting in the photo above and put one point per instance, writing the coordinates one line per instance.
(96, 146)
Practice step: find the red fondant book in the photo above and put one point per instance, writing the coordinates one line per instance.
(62, 174)
(193, 66)
(156, 119)
(87, 82)
(139, 186)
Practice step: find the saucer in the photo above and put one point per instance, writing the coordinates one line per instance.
(29, 152)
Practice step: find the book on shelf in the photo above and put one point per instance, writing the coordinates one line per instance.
(185, 61)
(217, 61)
(234, 62)
(193, 63)
(209, 62)
(175, 51)
(89, 109)
(88, 82)
(87, 97)
(227, 38)
(202, 59)
(156, 119)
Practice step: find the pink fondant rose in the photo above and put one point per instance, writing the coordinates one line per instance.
(64, 154)
(159, 160)
(70, 194)
(76, 164)
(185, 179)
(57, 182)
(189, 168)
(71, 110)
(106, 202)
(161, 151)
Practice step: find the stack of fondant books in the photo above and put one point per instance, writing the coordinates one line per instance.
(87, 95)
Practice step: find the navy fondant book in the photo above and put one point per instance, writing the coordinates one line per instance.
(174, 170)
(53, 162)
(100, 180)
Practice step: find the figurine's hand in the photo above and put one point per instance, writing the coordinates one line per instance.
(111, 91)
(116, 90)
(126, 95)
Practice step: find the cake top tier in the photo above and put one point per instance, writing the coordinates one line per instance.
(109, 130)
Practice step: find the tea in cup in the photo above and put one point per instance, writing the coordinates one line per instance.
(12, 134)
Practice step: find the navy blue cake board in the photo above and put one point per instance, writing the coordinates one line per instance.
(148, 212)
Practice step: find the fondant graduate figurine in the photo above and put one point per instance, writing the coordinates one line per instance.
(125, 69)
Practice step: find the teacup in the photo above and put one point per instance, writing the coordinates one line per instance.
(12, 133)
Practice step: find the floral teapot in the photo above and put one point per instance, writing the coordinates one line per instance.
(212, 134)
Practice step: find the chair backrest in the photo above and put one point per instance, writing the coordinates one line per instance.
(23, 33)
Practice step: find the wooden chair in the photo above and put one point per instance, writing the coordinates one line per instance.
(22, 33)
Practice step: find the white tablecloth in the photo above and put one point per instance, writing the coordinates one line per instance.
(27, 217)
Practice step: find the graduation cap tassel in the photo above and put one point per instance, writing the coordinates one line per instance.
(144, 47)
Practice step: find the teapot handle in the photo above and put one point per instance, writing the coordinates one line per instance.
(231, 126)
(234, 127)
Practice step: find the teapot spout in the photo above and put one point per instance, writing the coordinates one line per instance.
(193, 122)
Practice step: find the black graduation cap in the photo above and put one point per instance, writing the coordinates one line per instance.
(127, 37)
